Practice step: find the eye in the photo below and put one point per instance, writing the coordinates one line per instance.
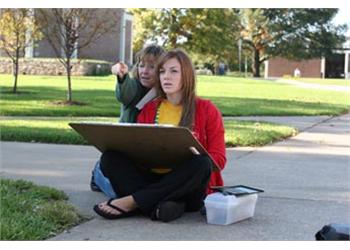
(161, 71)
(141, 65)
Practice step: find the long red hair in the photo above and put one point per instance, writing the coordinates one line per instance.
(188, 79)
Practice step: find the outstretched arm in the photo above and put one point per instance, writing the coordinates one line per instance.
(126, 88)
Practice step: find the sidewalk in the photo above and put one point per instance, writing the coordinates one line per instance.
(306, 181)
(307, 85)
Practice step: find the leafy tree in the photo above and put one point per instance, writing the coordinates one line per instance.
(17, 31)
(168, 26)
(210, 33)
(291, 33)
(142, 24)
(70, 30)
(216, 34)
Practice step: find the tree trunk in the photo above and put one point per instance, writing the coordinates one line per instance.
(15, 75)
(256, 66)
(69, 94)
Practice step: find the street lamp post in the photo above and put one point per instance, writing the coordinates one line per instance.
(239, 54)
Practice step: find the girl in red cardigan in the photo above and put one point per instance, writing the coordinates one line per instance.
(161, 193)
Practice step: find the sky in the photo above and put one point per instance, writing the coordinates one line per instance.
(343, 16)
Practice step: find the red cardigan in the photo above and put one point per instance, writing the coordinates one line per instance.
(208, 129)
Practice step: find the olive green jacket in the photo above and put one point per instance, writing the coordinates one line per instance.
(129, 91)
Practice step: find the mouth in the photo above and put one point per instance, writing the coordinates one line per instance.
(145, 78)
(167, 84)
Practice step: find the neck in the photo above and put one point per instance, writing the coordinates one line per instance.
(174, 99)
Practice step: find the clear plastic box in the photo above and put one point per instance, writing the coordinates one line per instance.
(227, 209)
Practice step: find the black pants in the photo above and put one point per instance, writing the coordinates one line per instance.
(187, 182)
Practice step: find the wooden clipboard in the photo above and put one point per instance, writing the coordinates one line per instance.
(151, 145)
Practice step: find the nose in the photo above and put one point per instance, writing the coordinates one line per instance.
(149, 68)
(166, 74)
(146, 70)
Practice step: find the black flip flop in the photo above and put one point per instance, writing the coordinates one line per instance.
(123, 213)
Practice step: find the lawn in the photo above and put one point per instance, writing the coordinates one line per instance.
(247, 97)
(38, 96)
(57, 130)
(31, 212)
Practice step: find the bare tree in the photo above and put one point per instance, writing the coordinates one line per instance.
(18, 30)
(70, 30)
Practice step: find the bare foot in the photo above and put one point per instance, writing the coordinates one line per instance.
(126, 204)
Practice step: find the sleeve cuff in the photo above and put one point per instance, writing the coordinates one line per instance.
(121, 80)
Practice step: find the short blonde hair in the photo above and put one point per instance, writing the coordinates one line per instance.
(147, 52)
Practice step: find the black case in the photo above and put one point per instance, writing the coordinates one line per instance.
(334, 231)
(237, 190)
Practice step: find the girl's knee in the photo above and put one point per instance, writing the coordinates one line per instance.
(202, 163)
(107, 160)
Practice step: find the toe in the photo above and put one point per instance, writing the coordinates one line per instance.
(107, 209)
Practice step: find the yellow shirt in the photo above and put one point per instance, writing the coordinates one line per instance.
(168, 114)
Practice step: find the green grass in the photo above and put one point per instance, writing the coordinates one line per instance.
(252, 133)
(31, 212)
(336, 82)
(246, 97)
(238, 133)
(38, 94)
(233, 96)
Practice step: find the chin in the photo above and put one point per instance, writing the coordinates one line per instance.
(147, 84)
(168, 92)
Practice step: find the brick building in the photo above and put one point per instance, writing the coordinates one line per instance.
(336, 66)
(113, 46)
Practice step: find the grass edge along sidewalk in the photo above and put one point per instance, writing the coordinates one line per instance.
(237, 133)
(32, 212)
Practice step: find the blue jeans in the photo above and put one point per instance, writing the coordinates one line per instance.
(103, 182)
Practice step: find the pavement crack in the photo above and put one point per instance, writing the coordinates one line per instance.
(302, 199)
(245, 154)
(317, 123)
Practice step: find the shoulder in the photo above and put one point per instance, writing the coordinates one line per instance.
(207, 111)
(153, 104)
(148, 112)
(205, 105)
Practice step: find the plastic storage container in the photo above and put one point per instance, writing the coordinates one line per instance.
(227, 209)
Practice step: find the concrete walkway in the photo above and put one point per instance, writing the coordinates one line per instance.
(306, 181)
(308, 85)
